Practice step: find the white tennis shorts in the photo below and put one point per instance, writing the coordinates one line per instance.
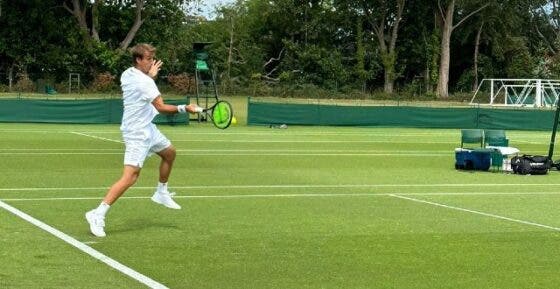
(143, 143)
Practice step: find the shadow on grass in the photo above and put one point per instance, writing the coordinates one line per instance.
(141, 224)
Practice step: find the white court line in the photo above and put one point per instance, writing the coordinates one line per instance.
(365, 132)
(268, 132)
(291, 141)
(267, 154)
(52, 149)
(274, 141)
(287, 186)
(311, 141)
(85, 248)
(54, 153)
(318, 195)
(14, 154)
(22, 150)
(476, 212)
(96, 137)
(306, 195)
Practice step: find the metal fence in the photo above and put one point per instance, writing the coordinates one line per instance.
(517, 92)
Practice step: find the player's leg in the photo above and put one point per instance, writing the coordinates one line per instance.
(129, 176)
(137, 149)
(166, 151)
(167, 158)
(96, 217)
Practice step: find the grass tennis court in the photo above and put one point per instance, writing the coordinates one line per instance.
(303, 207)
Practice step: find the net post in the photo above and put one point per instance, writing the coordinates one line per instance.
(554, 127)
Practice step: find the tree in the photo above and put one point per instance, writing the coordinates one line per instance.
(138, 21)
(495, 22)
(448, 26)
(296, 42)
(78, 10)
(35, 39)
(142, 11)
(361, 71)
(292, 45)
(384, 17)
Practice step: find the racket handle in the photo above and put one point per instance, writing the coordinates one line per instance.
(198, 109)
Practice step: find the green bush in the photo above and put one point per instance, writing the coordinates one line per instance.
(103, 82)
(182, 83)
(24, 83)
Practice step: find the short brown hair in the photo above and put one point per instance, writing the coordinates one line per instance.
(139, 50)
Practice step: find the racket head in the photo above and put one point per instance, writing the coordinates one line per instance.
(222, 114)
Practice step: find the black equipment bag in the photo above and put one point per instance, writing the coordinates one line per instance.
(531, 165)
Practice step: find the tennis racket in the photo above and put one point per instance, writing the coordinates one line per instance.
(221, 114)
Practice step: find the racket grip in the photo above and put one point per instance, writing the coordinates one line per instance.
(196, 108)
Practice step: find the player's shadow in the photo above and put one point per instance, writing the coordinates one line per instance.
(141, 224)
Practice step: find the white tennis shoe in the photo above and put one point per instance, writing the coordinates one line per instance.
(164, 198)
(96, 223)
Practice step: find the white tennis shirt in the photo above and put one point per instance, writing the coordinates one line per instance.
(139, 90)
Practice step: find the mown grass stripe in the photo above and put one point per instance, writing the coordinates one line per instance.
(306, 195)
(475, 212)
(290, 186)
(85, 248)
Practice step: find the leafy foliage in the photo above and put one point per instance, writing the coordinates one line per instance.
(104, 82)
(283, 47)
(183, 82)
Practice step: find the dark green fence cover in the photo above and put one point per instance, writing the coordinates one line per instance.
(261, 113)
(74, 111)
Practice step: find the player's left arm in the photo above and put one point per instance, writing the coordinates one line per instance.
(170, 109)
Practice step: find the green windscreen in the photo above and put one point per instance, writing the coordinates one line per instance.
(76, 111)
(264, 113)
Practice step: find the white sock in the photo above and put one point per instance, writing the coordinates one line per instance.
(102, 209)
(162, 187)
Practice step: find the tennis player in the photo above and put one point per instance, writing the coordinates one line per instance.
(142, 102)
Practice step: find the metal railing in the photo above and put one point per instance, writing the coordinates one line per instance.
(518, 92)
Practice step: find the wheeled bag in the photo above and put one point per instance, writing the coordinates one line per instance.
(531, 165)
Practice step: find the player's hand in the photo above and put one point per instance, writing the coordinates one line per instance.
(154, 69)
(193, 108)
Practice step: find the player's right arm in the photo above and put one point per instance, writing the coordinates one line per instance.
(170, 109)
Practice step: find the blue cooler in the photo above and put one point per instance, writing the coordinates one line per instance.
(473, 159)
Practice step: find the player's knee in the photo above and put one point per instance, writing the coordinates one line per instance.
(170, 153)
(173, 152)
(130, 179)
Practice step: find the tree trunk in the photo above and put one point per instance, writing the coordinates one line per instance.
(135, 27)
(428, 79)
(79, 13)
(388, 87)
(360, 54)
(11, 77)
(95, 20)
(230, 52)
(388, 60)
(448, 27)
(387, 50)
(475, 57)
(443, 79)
